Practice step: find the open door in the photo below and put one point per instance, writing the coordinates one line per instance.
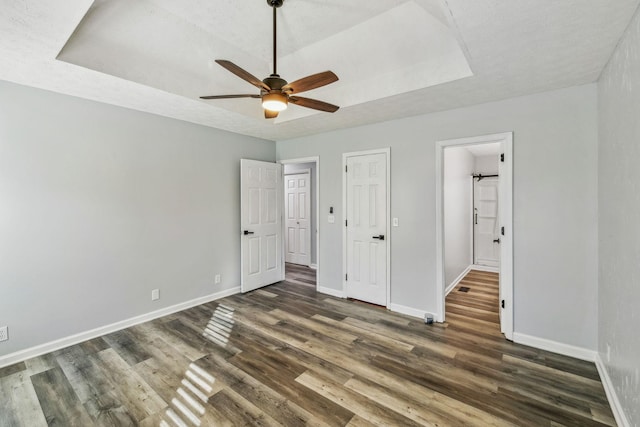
(261, 224)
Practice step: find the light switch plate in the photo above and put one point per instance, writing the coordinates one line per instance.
(395, 222)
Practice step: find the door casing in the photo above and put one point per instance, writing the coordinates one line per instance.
(345, 156)
(318, 223)
(506, 221)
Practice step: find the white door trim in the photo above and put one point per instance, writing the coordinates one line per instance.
(316, 189)
(506, 220)
(387, 152)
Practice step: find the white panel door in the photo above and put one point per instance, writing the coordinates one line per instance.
(297, 233)
(486, 229)
(366, 228)
(261, 224)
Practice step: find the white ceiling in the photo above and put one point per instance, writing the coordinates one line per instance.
(395, 58)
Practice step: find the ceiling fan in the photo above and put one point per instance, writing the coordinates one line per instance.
(275, 92)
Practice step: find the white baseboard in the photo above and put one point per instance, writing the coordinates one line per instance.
(555, 347)
(409, 311)
(41, 349)
(612, 396)
(313, 266)
(485, 268)
(338, 293)
(453, 284)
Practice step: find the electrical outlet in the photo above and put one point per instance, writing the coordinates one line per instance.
(155, 294)
(4, 333)
(218, 278)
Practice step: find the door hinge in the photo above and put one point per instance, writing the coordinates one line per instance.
(502, 157)
(502, 304)
(345, 168)
(345, 278)
(502, 231)
(345, 222)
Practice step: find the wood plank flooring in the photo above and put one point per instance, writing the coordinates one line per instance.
(300, 274)
(286, 355)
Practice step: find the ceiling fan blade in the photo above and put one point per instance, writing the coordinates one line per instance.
(228, 96)
(311, 82)
(268, 114)
(244, 75)
(314, 103)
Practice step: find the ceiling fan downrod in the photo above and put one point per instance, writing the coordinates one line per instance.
(275, 4)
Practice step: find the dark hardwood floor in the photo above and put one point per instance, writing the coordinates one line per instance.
(300, 274)
(287, 355)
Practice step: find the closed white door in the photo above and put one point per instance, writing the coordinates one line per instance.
(486, 229)
(261, 224)
(366, 228)
(297, 207)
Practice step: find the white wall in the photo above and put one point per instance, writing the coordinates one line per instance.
(99, 205)
(458, 167)
(619, 225)
(555, 204)
(294, 167)
(486, 165)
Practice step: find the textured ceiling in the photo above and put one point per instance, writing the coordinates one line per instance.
(395, 58)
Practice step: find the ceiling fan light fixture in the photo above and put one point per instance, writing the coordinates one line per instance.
(274, 102)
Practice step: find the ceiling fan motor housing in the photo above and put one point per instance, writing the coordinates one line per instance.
(275, 82)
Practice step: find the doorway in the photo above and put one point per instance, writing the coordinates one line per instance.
(484, 232)
(301, 242)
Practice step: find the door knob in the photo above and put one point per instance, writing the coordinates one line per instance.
(497, 240)
(381, 237)
(247, 232)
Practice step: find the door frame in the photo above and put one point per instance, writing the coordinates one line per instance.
(284, 200)
(506, 220)
(316, 189)
(387, 152)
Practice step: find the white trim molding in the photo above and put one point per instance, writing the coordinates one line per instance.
(485, 268)
(506, 221)
(409, 311)
(318, 224)
(612, 396)
(41, 349)
(338, 293)
(555, 347)
(457, 280)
